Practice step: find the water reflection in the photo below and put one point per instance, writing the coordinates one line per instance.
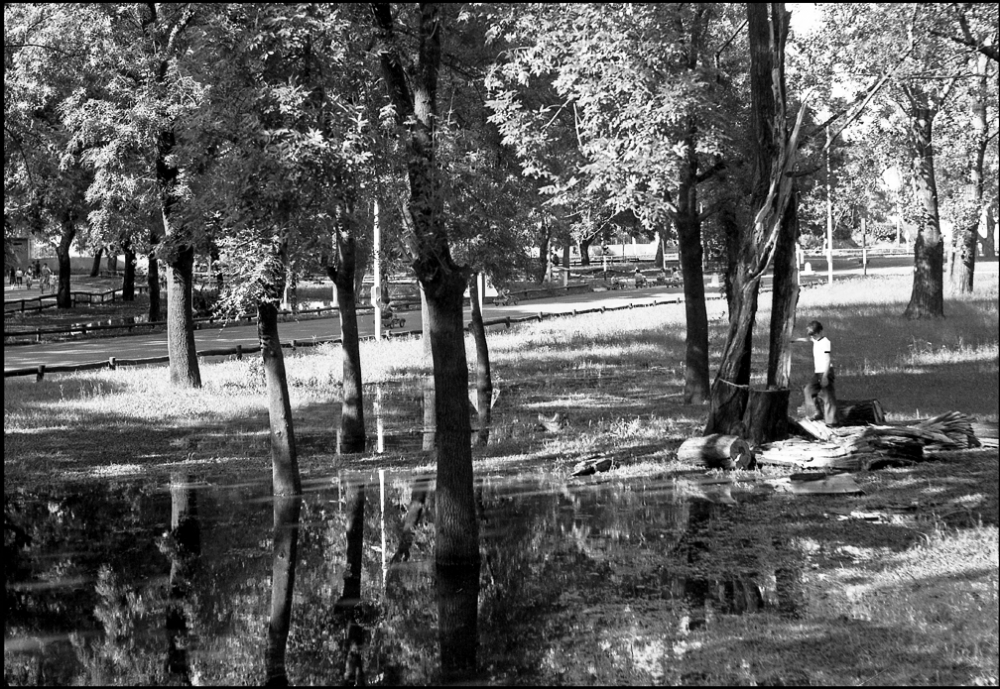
(254, 589)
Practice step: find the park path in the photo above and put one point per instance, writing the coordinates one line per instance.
(155, 345)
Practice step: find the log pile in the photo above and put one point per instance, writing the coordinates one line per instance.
(857, 447)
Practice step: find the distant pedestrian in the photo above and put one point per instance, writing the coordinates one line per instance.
(12, 276)
(38, 269)
(28, 279)
(19, 277)
(46, 280)
(820, 391)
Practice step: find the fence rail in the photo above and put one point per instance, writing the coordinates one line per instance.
(89, 298)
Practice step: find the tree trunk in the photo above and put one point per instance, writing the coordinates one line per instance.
(543, 254)
(966, 230)
(484, 379)
(216, 268)
(988, 244)
(64, 296)
(773, 156)
(112, 260)
(284, 460)
(766, 416)
(585, 243)
(927, 298)
(184, 549)
(351, 437)
(95, 267)
(458, 621)
(696, 386)
(457, 540)
(414, 513)
(128, 277)
(184, 370)
(286, 541)
(443, 282)
(153, 280)
(784, 301)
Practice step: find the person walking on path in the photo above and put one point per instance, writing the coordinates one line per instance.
(820, 390)
(18, 277)
(46, 280)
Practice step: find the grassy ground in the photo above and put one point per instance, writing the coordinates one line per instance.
(901, 583)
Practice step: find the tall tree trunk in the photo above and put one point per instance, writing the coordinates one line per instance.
(184, 370)
(64, 296)
(128, 277)
(927, 297)
(351, 437)
(95, 267)
(215, 267)
(696, 386)
(966, 230)
(284, 460)
(286, 541)
(785, 298)
(484, 378)
(444, 282)
(112, 260)
(429, 439)
(184, 549)
(774, 154)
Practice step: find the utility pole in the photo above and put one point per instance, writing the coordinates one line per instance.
(377, 278)
(829, 210)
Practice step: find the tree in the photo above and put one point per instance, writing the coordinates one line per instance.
(45, 182)
(412, 89)
(637, 104)
(774, 157)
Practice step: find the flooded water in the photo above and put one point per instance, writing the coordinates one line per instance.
(200, 582)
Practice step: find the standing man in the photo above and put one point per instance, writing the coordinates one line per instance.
(820, 390)
(46, 280)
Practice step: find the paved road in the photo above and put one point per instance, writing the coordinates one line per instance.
(155, 345)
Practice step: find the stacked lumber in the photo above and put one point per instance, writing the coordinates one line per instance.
(950, 431)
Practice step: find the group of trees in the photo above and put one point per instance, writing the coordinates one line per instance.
(267, 134)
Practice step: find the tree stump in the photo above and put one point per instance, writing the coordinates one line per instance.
(766, 416)
(717, 451)
(729, 402)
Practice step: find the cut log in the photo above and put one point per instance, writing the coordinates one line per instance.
(593, 466)
(766, 416)
(717, 451)
(986, 433)
(860, 412)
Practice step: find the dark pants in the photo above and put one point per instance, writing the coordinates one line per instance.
(824, 399)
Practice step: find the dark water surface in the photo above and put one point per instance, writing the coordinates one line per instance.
(139, 583)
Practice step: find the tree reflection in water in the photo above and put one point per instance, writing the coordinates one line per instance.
(182, 545)
(286, 539)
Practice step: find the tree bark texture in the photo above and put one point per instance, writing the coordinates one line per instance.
(696, 385)
(443, 282)
(484, 378)
(784, 300)
(585, 243)
(286, 540)
(543, 253)
(458, 621)
(766, 416)
(64, 295)
(429, 432)
(284, 459)
(355, 499)
(153, 279)
(351, 436)
(927, 297)
(988, 237)
(184, 369)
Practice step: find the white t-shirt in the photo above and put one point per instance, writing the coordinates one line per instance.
(821, 355)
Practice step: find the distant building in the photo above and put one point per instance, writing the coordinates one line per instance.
(25, 248)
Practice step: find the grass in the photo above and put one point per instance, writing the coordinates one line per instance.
(901, 583)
